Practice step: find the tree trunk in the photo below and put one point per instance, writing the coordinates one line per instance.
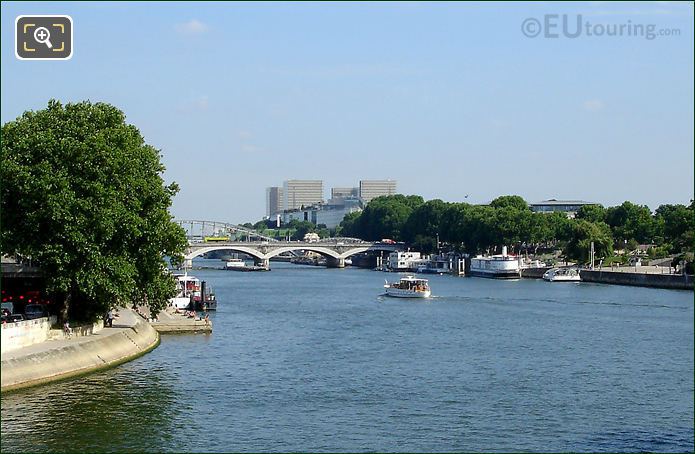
(66, 305)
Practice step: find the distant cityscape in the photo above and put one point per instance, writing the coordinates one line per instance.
(303, 200)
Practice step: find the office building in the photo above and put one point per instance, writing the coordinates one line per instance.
(273, 201)
(569, 207)
(302, 193)
(370, 189)
(328, 214)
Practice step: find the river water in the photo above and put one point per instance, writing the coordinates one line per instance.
(313, 359)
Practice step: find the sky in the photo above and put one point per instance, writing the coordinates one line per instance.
(449, 99)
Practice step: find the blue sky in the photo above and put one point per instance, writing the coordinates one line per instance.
(449, 99)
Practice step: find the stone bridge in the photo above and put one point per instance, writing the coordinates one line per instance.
(262, 251)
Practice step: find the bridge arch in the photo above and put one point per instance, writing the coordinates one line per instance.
(357, 250)
(243, 249)
(319, 250)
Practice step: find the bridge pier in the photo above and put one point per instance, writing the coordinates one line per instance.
(335, 263)
(265, 263)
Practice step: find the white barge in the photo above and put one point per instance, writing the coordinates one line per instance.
(501, 266)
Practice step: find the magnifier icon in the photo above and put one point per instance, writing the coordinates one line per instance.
(42, 35)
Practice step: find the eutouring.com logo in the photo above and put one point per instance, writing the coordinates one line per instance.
(573, 26)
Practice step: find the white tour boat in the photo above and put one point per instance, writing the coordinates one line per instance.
(562, 275)
(409, 287)
(503, 266)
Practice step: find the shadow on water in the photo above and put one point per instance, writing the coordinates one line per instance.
(120, 409)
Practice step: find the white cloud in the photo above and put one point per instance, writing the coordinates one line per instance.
(593, 105)
(192, 27)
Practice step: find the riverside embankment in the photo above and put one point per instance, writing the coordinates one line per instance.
(639, 279)
(170, 322)
(643, 278)
(130, 337)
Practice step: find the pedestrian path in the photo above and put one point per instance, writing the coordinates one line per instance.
(125, 320)
(130, 337)
(168, 321)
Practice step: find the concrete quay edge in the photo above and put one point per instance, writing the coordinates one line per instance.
(101, 351)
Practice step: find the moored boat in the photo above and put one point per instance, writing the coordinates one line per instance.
(234, 263)
(240, 265)
(562, 275)
(502, 266)
(193, 294)
(409, 287)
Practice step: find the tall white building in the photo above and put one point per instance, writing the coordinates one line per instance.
(273, 201)
(302, 193)
(370, 189)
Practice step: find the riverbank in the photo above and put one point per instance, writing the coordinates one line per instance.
(647, 277)
(655, 280)
(130, 337)
(169, 322)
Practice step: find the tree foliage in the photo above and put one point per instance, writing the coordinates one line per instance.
(83, 196)
(510, 201)
(425, 220)
(301, 229)
(592, 213)
(507, 220)
(675, 224)
(383, 217)
(630, 221)
(583, 234)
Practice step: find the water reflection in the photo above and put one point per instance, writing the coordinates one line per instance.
(125, 408)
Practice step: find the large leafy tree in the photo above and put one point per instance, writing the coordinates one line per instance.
(583, 234)
(83, 196)
(470, 228)
(425, 221)
(383, 217)
(592, 213)
(631, 222)
(349, 226)
(510, 201)
(676, 224)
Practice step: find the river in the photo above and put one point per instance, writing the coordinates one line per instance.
(312, 359)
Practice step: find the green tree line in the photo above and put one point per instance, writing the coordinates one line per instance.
(509, 221)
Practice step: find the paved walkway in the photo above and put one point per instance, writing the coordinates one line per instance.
(644, 269)
(125, 321)
(170, 322)
(130, 337)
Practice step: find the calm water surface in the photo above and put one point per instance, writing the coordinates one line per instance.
(314, 359)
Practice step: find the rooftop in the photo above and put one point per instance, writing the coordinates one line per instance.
(562, 202)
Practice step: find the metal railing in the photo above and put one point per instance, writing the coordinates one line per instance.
(197, 230)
